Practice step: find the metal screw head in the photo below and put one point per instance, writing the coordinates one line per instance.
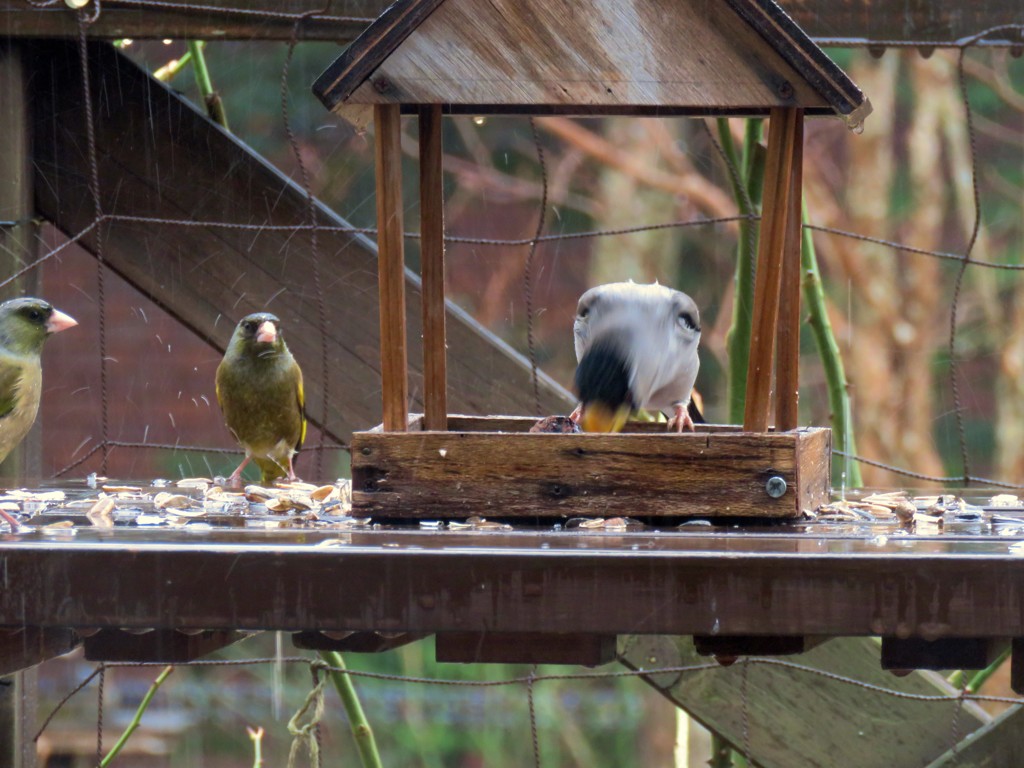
(775, 487)
(76, 4)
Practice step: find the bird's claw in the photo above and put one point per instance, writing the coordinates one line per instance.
(680, 419)
(577, 414)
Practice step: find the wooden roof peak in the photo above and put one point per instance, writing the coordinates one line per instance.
(642, 57)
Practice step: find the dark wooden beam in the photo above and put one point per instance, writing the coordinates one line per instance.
(525, 648)
(943, 653)
(165, 646)
(28, 646)
(353, 642)
(215, 20)
(827, 21)
(182, 167)
(572, 581)
(731, 646)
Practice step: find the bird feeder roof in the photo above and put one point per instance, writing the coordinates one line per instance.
(589, 57)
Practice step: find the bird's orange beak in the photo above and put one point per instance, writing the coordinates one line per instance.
(266, 333)
(60, 322)
(598, 417)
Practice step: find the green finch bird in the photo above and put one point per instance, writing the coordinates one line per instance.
(24, 325)
(259, 388)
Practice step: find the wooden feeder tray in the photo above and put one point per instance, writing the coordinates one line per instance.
(492, 466)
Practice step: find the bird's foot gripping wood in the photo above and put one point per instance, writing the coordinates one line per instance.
(680, 419)
(577, 414)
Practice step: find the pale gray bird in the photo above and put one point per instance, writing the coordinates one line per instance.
(637, 348)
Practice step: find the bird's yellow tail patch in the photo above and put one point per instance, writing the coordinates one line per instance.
(600, 418)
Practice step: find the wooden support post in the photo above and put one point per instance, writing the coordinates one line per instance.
(435, 382)
(787, 339)
(17, 228)
(782, 135)
(391, 268)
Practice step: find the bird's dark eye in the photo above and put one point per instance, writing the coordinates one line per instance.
(583, 312)
(689, 321)
(35, 315)
(249, 325)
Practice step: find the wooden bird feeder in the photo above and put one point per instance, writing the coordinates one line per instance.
(586, 57)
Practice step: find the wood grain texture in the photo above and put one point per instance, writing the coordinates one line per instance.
(787, 336)
(782, 134)
(370, 49)
(435, 378)
(825, 21)
(185, 168)
(814, 468)
(641, 53)
(391, 267)
(792, 44)
(791, 718)
(997, 744)
(458, 474)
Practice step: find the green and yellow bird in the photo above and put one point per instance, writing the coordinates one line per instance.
(25, 324)
(259, 388)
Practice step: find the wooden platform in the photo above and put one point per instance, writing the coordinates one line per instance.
(778, 580)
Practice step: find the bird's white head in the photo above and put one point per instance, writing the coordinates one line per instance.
(653, 331)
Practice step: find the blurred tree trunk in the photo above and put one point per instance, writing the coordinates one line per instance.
(896, 299)
(624, 201)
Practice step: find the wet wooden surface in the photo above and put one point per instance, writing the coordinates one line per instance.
(509, 53)
(668, 580)
(717, 471)
(825, 20)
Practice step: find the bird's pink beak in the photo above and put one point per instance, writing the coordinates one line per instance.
(60, 322)
(266, 333)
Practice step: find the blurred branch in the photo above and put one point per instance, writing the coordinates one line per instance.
(137, 718)
(998, 81)
(705, 195)
(828, 351)
(361, 730)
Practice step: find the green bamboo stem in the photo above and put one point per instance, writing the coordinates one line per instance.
(169, 71)
(746, 191)
(143, 705)
(256, 735)
(831, 359)
(721, 752)
(361, 730)
(212, 100)
(981, 677)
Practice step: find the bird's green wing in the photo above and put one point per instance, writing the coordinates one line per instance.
(10, 378)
